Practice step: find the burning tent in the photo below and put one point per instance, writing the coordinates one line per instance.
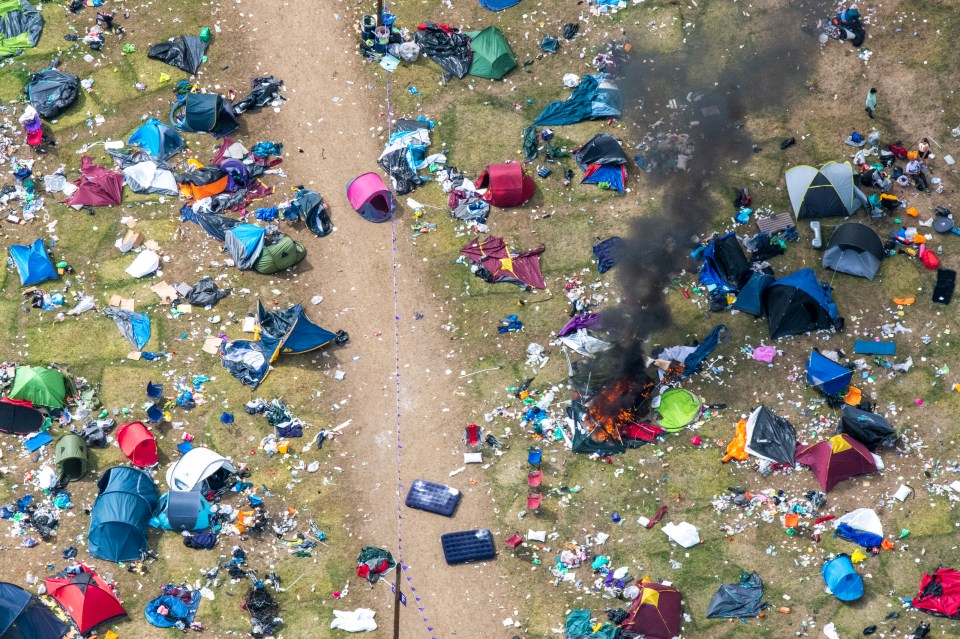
(595, 432)
(496, 263)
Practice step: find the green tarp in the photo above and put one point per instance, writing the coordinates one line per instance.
(279, 256)
(20, 26)
(492, 56)
(678, 409)
(41, 386)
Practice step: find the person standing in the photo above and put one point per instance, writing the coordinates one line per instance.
(871, 102)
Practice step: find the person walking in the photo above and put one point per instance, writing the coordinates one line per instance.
(871, 102)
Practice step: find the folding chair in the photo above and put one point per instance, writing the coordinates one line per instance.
(534, 455)
(513, 540)
(472, 436)
(534, 478)
(533, 501)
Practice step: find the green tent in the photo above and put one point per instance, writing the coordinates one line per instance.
(71, 456)
(20, 26)
(279, 256)
(678, 409)
(492, 56)
(41, 386)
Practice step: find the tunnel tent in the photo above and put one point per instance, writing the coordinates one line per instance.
(85, 596)
(33, 263)
(183, 52)
(750, 298)
(597, 98)
(182, 511)
(842, 579)
(118, 521)
(370, 197)
(204, 113)
(19, 417)
(245, 243)
(799, 303)
(157, 139)
(855, 249)
(201, 469)
(678, 408)
(23, 616)
(138, 444)
(770, 437)
(20, 27)
(51, 92)
(825, 191)
(70, 453)
(507, 185)
(279, 255)
(492, 56)
(725, 266)
(40, 386)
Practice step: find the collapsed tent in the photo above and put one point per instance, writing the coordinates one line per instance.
(135, 327)
(201, 469)
(51, 92)
(33, 263)
(85, 596)
(827, 191)
(869, 429)
(580, 626)
(20, 27)
(827, 376)
(147, 177)
(183, 52)
(591, 436)
(750, 298)
(692, 362)
(23, 616)
(498, 5)
(603, 162)
(186, 510)
(138, 444)
(204, 113)
(249, 360)
(19, 417)
(214, 224)
(725, 266)
(678, 408)
(118, 521)
(799, 303)
(597, 98)
(244, 243)
(861, 526)
(297, 334)
(492, 56)
(939, 594)
(40, 386)
(739, 600)
(370, 197)
(655, 612)
(97, 186)
(836, 459)
(770, 437)
(70, 453)
(855, 249)
(446, 46)
(264, 91)
(279, 255)
(309, 205)
(500, 265)
(507, 185)
(157, 139)
(841, 578)
(404, 155)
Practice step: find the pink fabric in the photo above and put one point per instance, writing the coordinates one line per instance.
(764, 353)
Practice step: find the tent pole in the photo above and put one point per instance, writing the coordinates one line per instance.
(399, 569)
(379, 13)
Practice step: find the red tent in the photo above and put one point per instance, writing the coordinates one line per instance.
(836, 459)
(85, 596)
(940, 593)
(520, 268)
(507, 185)
(97, 186)
(655, 612)
(137, 444)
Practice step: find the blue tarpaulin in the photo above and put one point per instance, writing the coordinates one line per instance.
(498, 5)
(861, 537)
(33, 263)
(597, 98)
(869, 347)
(826, 375)
(134, 326)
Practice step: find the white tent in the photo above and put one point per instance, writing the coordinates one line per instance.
(146, 177)
(864, 519)
(200, 469)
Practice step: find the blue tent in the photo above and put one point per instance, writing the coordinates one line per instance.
(296, 333)
(799, 303)
(23, 616)
(118, 522)
(135, 327)
(724, 264)
(597, 98)
(613, 175)
(498, 5)
(245, 242)
(249, 361)
(842, 580)
(182, 511)
(33, 263)
(749, 299)
(826, 375)
(157, 139)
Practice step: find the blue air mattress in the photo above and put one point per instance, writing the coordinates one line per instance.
(468, 546)
(433, 498)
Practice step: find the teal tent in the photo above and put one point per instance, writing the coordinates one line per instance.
(118, 521)
(157, 139)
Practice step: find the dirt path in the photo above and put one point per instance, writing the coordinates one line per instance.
(314, 54)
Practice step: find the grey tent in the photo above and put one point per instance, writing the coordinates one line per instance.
(827, 191)
(20, 27)
(854, 249)
(71, 456)
(182, 510)
(770, 437)
(147, 177)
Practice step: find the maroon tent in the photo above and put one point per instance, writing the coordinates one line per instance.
(940, 593)
(97, 186)
(492, 254)
(836, 459)
(507, 185)
(655, 612)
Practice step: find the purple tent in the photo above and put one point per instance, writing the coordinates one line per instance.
(97, 186)
(520, 268)
(370, 197)
(589, 320)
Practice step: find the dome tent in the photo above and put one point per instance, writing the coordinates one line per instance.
(827, 191)
(23, 616)
(507, 185)
(799, 303)
(245, 243)
(157, 139)
(279, 256)
(118, 521)
(492, 56)
(202, 469)
(836, 459)
(41, 386)
(855, 249)
(33, 263)
(85, 596)
(655, 612)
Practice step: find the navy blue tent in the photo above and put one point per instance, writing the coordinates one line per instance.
(597, 98)
(157, 139)
(249, 361)
(498, 5)
(842, 580)
(798, 304)
(118, 522)
(826, 375)
(749, 299)
(724, 264)
(607, 253)
(691, 364)
(23, 616)
(33, 263)
(296, 333)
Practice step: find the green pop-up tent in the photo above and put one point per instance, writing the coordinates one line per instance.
(492, 56)
(71, 456)
(40, 386)
(678, 409)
